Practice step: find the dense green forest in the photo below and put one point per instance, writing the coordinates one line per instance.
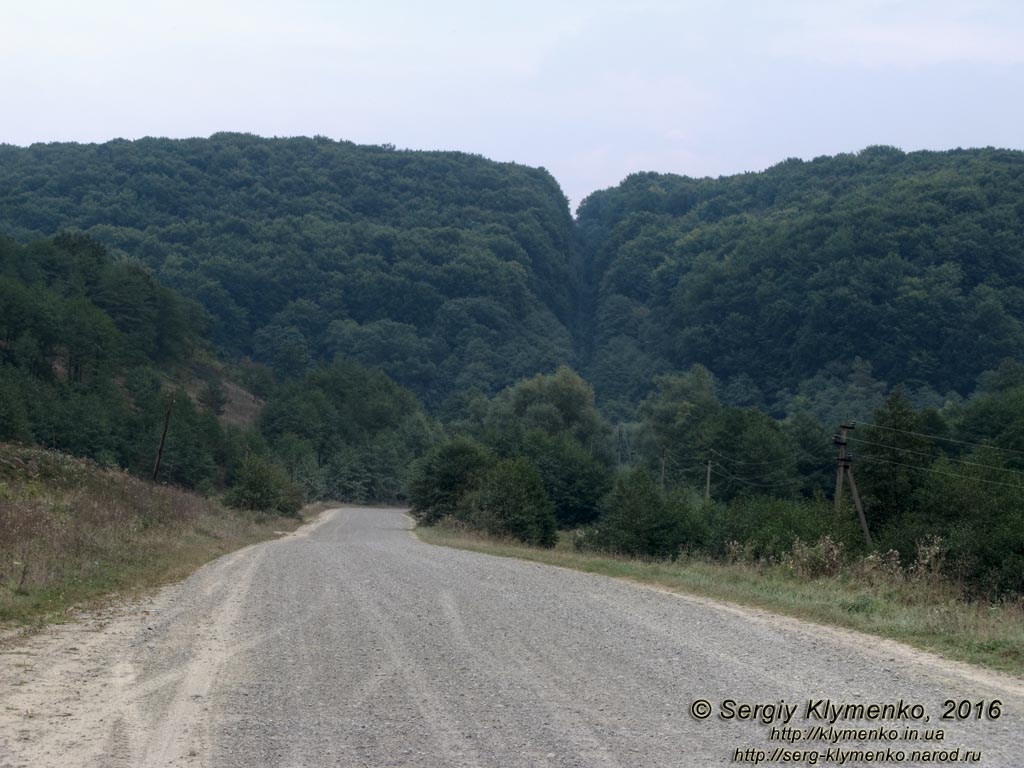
(662, 376)
(813, 285)
(83, 341)
(797, 287)
(448, 271)
(95, 355)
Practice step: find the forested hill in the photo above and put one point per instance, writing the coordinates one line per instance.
(446, 270)
(810, 286)
(813, 282)
(810, 291)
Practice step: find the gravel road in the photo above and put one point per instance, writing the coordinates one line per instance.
(352, 643)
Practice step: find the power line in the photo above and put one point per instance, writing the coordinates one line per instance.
(934, 457)
(791, 457)
(725, 473)
(939, 472)
(753, 464)
(936, 437)
(700, 468)
(678, 466)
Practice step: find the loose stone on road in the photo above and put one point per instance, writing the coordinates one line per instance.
(352, 643)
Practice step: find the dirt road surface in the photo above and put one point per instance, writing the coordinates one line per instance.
(351, 643)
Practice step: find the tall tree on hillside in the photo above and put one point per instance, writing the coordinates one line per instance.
(893, 455)
(679, 416)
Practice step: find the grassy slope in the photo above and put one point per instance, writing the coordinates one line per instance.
(923, 613)
(73, 533)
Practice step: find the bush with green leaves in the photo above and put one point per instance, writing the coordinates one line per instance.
(439, 480)
(695, 514)
(979, 518)
(511, 502)
(574, 479)
(768, 527)
(637, 520)
(262, 486)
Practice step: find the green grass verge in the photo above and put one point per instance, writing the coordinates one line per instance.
(927, 614)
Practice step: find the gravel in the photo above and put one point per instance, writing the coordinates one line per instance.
(352, 643)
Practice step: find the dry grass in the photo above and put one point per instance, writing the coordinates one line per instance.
(71, 532)
(242, 408)
(919, 609)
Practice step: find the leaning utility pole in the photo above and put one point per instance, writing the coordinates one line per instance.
(163, 437)
(707, 483)
(844, 464)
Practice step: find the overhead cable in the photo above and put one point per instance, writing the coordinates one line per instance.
(940, 472)
(936, 437)
(934, 457)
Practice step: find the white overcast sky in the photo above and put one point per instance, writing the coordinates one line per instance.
(591, 90)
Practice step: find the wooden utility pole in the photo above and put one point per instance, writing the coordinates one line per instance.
(163, 437)
(840, 441)
(860, 509)
(707, 482)
(844, 464)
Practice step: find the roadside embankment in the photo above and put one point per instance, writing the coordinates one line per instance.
(72, 532)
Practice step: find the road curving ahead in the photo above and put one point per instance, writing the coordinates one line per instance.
(352, 643)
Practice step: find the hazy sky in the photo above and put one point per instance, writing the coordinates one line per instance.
(590, 90)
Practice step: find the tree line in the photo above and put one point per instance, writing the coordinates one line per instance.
(539, 457)
(96, 356)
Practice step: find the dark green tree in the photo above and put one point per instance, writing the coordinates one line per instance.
(510, 501)
(636, 520)
(439, 481)
(893, 457)
(573, 479)
(264, 487)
